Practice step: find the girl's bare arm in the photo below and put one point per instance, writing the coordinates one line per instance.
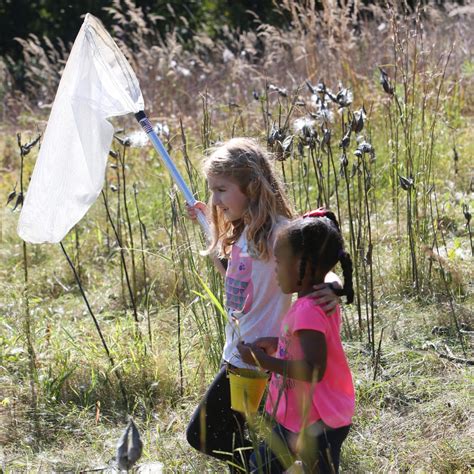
(192, 214)
(309, 369)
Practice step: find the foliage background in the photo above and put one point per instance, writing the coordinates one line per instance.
(207, 76)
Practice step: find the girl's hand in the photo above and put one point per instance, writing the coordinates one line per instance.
(325, 297)
(250, 353)
(267, 344)
(192, 210)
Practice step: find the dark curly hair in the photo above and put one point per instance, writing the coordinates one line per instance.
(319, 242)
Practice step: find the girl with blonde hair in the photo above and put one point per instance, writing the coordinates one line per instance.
(248, 205)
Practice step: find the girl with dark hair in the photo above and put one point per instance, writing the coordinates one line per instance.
(248, 205)
(311, 394)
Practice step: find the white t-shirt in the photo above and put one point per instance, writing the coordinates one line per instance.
(255, 304)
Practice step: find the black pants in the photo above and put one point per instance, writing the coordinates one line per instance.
(321, 453)
(215, 429)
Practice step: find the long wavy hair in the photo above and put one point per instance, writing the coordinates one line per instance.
(247, 164)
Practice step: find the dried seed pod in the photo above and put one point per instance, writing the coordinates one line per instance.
(287, 144)
(11, 196)
(405, 183)
(384, 80)
(113, 154)
(344, 97)
(276, 134)
(365, 147)
(346, 140)
(357, 121)
(326, 136)
(467, 214)
(300, 148)
(343, 162)
(255, 95)
(25, 149)
(129, 450)
(19, 200)
(321, 88)
(126, 142)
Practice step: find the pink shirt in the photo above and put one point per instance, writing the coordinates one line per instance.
(301, 403)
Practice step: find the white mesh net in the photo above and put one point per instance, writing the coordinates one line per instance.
(97, 83)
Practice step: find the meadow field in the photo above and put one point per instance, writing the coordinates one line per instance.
(368, 112)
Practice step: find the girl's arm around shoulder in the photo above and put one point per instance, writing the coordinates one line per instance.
(324, 295)
(310, 369)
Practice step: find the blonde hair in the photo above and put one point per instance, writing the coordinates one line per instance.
(246, 163)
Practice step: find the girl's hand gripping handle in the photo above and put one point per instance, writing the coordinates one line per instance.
(197, 210)
(168, 162)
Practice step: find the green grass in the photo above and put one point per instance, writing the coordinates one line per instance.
(414, 416)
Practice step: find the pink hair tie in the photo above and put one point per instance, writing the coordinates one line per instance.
(320, 212)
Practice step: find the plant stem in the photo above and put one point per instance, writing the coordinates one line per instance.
(96, 323)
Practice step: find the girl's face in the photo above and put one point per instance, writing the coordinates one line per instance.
(287, 265)
(227, 196)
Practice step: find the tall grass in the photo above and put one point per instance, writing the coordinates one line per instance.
(373, 152)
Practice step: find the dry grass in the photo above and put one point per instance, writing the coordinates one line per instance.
(417, 413)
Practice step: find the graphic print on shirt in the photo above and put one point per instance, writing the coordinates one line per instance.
(238, 282)
(279, 380)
